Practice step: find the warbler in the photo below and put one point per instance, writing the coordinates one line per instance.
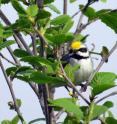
(79, 55)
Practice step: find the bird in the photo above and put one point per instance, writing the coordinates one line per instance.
(79, 54)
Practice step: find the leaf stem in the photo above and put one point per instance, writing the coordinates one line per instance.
(88, 118)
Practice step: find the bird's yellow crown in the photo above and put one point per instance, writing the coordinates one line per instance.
(75, 45)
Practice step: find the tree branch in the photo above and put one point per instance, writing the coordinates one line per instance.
(57, 116)
(40, 3)
(111, 94)
(76, 13)
(12, 92)
(102, 62)
(83, 10)
(8, 60)
(64, 6)
(33, 37)
(18, 35)
(11, 53)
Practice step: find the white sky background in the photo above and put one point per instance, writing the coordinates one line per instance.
(99, 34)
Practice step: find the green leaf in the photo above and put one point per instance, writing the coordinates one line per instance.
(7, 32)
(104, 1)
(69, 69)
(108, 104)
(67, 26)
(59, 38)
(62, 19)
(52, 7)
(4, 1)
(24, 122)
(32, 10)
(80, 37)
(18, 7)
(20, 53)
(98, 110)
(19, 103)
(1, 32)
(36, 120)
(40, 61)
(11, 70)
(14, 71)
(42, 14)
(90, 12)
(69, 106)
(105, 52)
(110, 114)
(71, 1)
(102, 81)
(70, 120)
(48, 1)
(23, 78)
(24, 70)
(6, 44)
(43, 78)
(107, 19)
(15, 120)
(5, 122)
(102, 12)
(19, 24)
(110, 120)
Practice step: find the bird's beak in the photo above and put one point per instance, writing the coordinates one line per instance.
(66, 57)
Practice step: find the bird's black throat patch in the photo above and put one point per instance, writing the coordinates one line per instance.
(78, 57)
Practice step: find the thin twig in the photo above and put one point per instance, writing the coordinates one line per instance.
(13, 56)
(7, 59)
(76, 13)
(89, 22)
(17, 36)
(23, 42)
(7, 22)
(40, 3)
(64, 6)
(85, 25)
(79, 23)
(111, 94)
(12, 92)
(91, 52)
(33, 37)
(72, 85)
(57, 116)
(102, 62)
(83, 10)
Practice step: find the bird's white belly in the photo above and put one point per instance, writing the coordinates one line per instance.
(86, 68)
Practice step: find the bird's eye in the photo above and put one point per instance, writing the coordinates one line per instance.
(83, 50)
